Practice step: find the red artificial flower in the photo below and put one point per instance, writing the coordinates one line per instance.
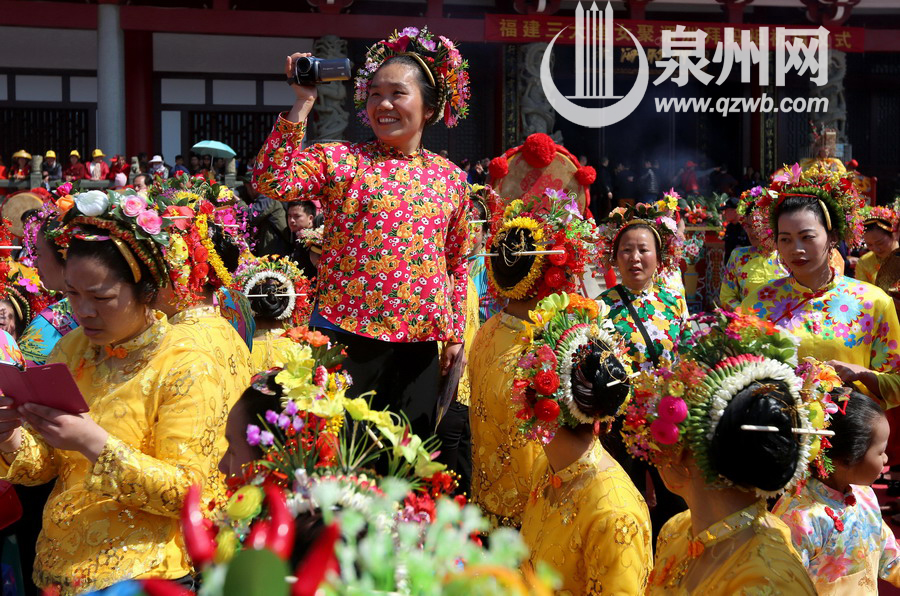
(546, 382)
(585, 175)
(546, 410)
(539, 150)
(555, 277)
(421, 504)
(559, 260)
(326, 445)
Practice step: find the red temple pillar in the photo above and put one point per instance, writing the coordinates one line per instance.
(139, 117)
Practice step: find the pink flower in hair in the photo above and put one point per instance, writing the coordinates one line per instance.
(134, 205)
(150, 222)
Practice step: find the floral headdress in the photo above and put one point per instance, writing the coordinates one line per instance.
(440, 60)
(562, 329)
(840, 201)
(554, 222)
(658, 216)
(21, 286)
(292, 286)
(885, 218)
(680, 405)
(316, 450)
(313, 238)
(134, 224)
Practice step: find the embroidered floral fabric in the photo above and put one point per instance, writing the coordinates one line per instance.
(502, 457)
(846, 561)
(756, 561)
(867, 268)
(847, 320)
(747, 269)
(663, 313)
(590, 524)
(163, 405)
(395, 229)
(45, 331)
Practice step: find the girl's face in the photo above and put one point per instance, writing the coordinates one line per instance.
(803, 243)
(879, 242)
(395, 106)
(636, 258)
(106, 307)
(8, 318)
(867, 470)
(239, 452)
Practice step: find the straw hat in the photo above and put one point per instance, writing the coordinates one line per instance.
(50, 153)
(21, 153)
(97, 153)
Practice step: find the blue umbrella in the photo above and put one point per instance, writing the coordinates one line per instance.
(214, 149)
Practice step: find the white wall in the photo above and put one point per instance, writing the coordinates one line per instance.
(171, 135)
(38, 88)
(179, 91)
(83, 89)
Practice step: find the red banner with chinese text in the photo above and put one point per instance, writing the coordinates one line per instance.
(535, 28)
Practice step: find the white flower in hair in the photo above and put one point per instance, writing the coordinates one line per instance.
(92, 203)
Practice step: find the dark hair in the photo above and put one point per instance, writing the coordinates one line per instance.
(509, 269)
(269, 306)
(148, 180)
(795, 204)
(429, 92)
(106, 252)
(48, 225)
(179, 156)
(319, 220)
(26, 215)
(591, 379)
(764, 460)
(481, 208)
(853, 429)
(637, 226)
(226, 247)
(874, 227)
(308, 207)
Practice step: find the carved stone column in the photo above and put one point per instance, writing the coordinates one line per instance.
(833, 90)
(330, 116)
(535, 112)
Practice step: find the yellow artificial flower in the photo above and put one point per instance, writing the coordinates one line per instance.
(226, 545)
(246, 503)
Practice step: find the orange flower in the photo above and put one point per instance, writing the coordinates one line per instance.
(65, 203)
(117, 352)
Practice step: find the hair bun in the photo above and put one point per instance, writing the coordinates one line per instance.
(763, 460)
(599, 383)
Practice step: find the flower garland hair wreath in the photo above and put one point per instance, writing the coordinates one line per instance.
(838, 197)
(562, 328)
(553, 222)
(440, 60)
(680, 405)
(252, 273)
(884, 218)
(133, 223)
(657, 216)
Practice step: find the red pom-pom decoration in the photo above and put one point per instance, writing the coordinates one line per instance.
(546, 410)
(539, 150)
(498, 168)
(585, 175)
(546, 382)
(664, 432)
(672, 409)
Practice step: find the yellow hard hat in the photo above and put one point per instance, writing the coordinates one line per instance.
(50, 153)
(97, 153)
(75, 153)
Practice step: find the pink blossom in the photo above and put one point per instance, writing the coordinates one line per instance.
(150, 222)
(664, 432)
(134, 205)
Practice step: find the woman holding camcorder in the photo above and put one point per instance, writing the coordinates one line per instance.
(393, 278)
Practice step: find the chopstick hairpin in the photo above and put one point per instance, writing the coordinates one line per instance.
(523, 253)
(796, 431)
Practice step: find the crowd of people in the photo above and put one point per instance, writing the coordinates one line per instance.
(413, 391)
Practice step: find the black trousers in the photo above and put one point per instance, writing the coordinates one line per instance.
(456, 444)
(404, 376)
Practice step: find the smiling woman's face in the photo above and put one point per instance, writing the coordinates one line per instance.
(395, 106)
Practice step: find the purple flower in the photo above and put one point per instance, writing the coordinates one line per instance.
(253, 435)
(428, 44)
(271, 416)
(266, 438)
(291, 408)
(298, 424)
(283, 421)
(756, 191)
(410, 32)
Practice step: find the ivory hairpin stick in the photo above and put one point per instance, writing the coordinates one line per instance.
(523, 253)
(474, 221)
(178, 216)
(280, 295)
(798, 431)
(10, 247)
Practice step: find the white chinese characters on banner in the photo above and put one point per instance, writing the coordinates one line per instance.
(801, 50)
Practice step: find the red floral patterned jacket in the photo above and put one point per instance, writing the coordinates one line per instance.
(393, 265)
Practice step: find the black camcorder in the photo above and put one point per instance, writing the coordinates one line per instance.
(311, 71)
